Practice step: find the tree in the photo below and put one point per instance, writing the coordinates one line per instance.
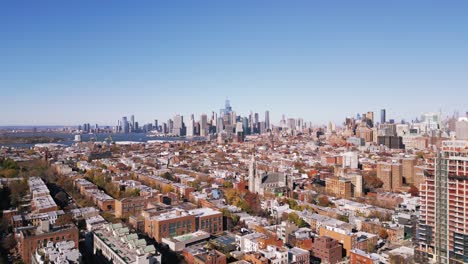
(383, 233)
(9, 173)
(167, 189)
(372, 182)
(227, 184)
(9, 242)
(413, 190)
(324, 201)
(294, 218)
(18, 190)
(61, 198)
(64, 219)
(343, 218)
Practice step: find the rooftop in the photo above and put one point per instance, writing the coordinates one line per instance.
(127, 246)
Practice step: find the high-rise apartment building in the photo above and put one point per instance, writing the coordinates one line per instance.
(267, 120)
(391, 175)
(443, 223)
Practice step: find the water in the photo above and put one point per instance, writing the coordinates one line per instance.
(67, 139)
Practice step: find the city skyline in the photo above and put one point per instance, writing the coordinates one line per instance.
(158, 59)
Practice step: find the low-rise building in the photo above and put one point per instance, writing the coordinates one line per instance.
(208, 220)
(179, 243)
(327, 249)
(114, 243)
(60, 252)
(29, 239)
(169, 224)
(298, 256)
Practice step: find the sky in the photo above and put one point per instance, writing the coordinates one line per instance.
(71, 62)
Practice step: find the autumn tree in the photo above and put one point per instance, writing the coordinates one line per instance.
(324, 201)
(372, 182)
(383, 233)
(64, 219)
(413, 190)
(18, 189)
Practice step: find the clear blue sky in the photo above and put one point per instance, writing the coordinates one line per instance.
(69, 62)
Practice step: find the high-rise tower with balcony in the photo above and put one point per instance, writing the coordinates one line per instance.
(443, 225)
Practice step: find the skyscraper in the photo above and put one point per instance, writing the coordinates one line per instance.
(203, 125)
(125, 125)
(443, 225)
(190, 127)
(132, 123)
(382, 116)
(267, 119)
(178, 126)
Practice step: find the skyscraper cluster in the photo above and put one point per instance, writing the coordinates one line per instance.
(227, 122)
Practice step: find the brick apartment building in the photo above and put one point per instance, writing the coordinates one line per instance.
(30, 238)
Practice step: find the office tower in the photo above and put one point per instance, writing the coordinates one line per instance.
(204, 125)
(291, 123)
(190, 127)
(170, 125)
(443, 225)
(226, 110)
(227, 107)
(267, 120)
(125, 125)
(245, 126)
(178, 127)
(232, 118)
(382, 116)
(219, 125)
(132, 122)
(461, 128)
(256, 123)
(283, 121)
(156, 124)
(262, 127)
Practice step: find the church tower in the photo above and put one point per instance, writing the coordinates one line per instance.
(252, 174)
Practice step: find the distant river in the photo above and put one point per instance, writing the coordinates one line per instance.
(67, 139)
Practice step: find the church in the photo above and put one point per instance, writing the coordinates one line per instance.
(261, 182)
